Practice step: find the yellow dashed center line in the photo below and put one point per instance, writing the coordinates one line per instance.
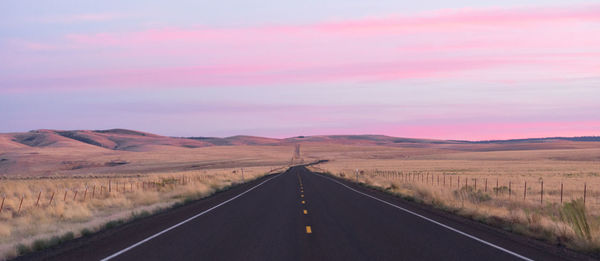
(305, 212)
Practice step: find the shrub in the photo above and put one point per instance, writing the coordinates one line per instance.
(501, 190)
(392, 187)
(468, 193)
(39, 244)
(140, 214)
(86, 232)
(112, 224)
(67, 236)
(23, 249)
(574, 214)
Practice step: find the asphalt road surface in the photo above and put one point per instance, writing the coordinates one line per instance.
(300, 215)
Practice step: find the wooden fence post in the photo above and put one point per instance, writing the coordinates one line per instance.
(542, 193)
(485, 190)
(51, 198)
(497, 188)
(75, 196)
(584, 192)
(475, 188)
(109, 186)
(65, 197)
(94, 191)
(561, 192)
(37, 203)
(85, 193)
(2, 205)
(525, 191)
(20, 204)
(509, 189)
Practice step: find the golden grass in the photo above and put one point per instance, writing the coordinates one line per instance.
(65, 206)
(29, 170)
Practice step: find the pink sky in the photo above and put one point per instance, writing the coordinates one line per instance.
(539, 59)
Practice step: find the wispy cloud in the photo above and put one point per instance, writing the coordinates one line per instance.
(497, 44)
(79, 18)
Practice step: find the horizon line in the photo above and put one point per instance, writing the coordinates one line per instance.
(321, 135)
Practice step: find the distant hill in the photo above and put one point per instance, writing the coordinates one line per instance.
(131, 140)
(114, 139)
(582, 138)
(238, 140)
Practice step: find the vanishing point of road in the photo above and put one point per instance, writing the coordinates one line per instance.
(301, 215)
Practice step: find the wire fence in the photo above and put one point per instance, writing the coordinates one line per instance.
(21, 196)
(528, 189)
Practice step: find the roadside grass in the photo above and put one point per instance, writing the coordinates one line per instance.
(37, 227)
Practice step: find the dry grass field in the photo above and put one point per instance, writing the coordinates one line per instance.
(88, 180)
(38, 212)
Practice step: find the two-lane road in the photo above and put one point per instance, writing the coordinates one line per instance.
(299, 215)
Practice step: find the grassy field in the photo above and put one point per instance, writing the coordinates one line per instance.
(37, 212)
(500, 183)
(512, 198)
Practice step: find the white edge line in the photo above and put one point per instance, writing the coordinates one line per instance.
(433, 221)
(183, 222)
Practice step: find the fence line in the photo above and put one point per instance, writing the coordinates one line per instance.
(531, 193)
(108, 187)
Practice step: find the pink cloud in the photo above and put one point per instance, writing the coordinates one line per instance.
(262, 74)
(452, 19)
(440, 45)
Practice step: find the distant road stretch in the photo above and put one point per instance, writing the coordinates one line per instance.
(300, 215)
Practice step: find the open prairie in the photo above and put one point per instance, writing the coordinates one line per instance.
(75, 182)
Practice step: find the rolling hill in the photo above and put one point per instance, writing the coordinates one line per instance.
(66, 152)
(130, 140)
